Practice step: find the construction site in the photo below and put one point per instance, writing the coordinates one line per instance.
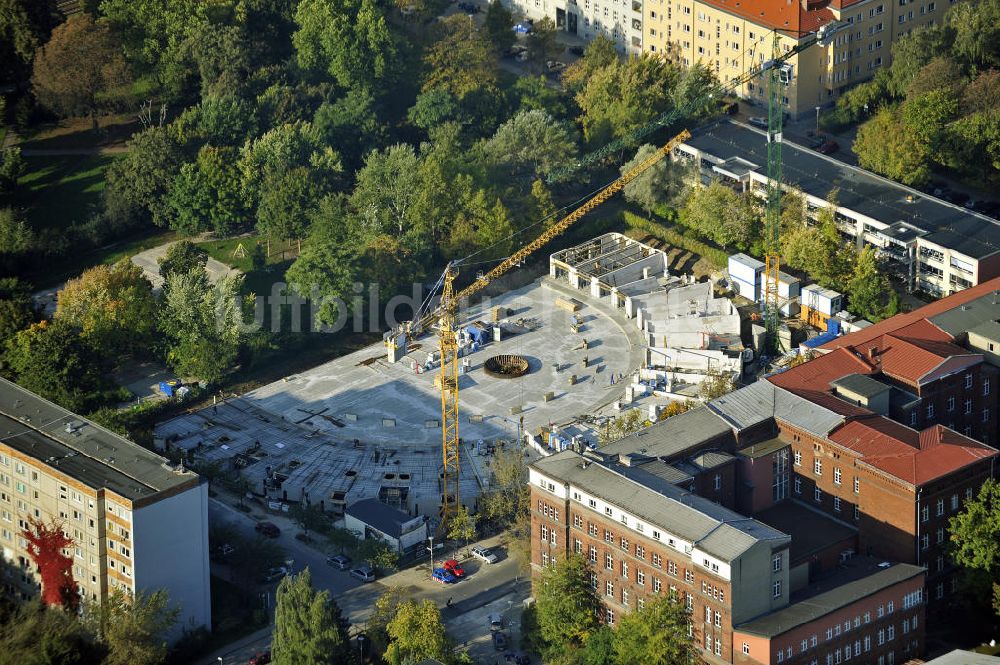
(607, 330)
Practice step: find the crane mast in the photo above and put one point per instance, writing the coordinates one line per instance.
(772, 218)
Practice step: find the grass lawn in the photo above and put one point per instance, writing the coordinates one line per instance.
(59, 190)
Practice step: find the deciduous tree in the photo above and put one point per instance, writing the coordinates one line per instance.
(206, 194)
(975, 536)
(462, 525)
(719, 213)
(567, 605)
(976, 28)
(286, 204)
(532, 144)
(12, 167)
(16, 311)
(655, 635)
(137, 183)
(498, 25)
(881, 147)
(416, 633)
(80, 68)
(657, 185)
(182, 257)
(308, 627)
(112, 306)
(133, 628)
(24, 25)
(41, 635)
(868, 288)
(461, 60)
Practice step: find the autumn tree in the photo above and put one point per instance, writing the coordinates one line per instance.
(46, 543)
(462, 525)
(461, 60)
(133, 628)
(620, 427)
(112, 306)
(308, 626)
(567, 605)
(716, 384)
(80, 68)
(416, 633)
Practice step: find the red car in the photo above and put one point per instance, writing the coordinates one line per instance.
(828, 148)
(452, 567)
(261, 658)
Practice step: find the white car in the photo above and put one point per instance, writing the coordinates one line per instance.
(484, 554)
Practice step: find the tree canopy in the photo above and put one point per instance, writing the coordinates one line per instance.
(975, 536)
(308, 627)
(566, 603)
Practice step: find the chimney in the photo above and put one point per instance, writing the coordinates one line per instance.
(873, 354)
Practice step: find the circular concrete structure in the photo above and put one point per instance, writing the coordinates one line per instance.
(506, 366)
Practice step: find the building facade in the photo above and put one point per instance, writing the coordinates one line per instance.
(136, 522)
(731, 38)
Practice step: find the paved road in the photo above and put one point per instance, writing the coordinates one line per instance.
(148, 261)
(487, 589)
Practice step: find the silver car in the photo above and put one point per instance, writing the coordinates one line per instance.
(484, 554)
(364, 573)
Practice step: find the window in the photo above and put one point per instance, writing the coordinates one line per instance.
(804, 646)
(986, 386)
(836, 476)
(718, 482)
(624, 545)
(577, 545)
(658, 561)
(954, 502)
(924, 542)
(818, 467)
(592, 503)
(657, 585)
(609, 589)
(708, 614)
(913, 418)
(836, 503)
(881, 636)
(857, 512)
(930, 410)
(777, 588)
(625, 596)
(640, 578)
(592, 529)
(608, 536)
(968, 406)
(798, 458)
(818, 495)
(718, 620)
(656, 535)
(925, 514)
(968, 494)
(577, 521)
(746, 649)
(689, 577)
(890, 607)
(608, 511)
(609, 563)
(624, 570)
(940, 508)
(640, 551)
(609, 616)
(940, 535)
(798, 486)
(593, 554)
(968, 380)
(672, 568)
(986, 415)
(776, 563)
(718, 647)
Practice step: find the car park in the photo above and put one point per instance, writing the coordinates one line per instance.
(759, 122)
(828, 148)
(363, 573)
(484, 554)
(268, 529)
(453, 567)
(339, 561)
(443, 576)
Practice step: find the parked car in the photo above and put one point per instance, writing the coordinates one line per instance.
(499, 641)
(454, 568)
(758, 121)
(469, 7)
(268, 529)
(339, 561)
(496, 622)
(517, 658)
(484, 554)
(443, 576)
(816, 142)
(364, 573)
(261, 658)
(575, 50)
(828, 148)
(275, 574)
(555, 65)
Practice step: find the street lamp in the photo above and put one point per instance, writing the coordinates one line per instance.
(431, 550)
(817, 118)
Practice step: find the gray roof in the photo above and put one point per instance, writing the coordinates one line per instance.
(711, 460)
(957, 320)
(380, 516)
(948, 225)
(714, 529)
(673, 436)
(83, 450)
(960, 657)
(762, 400)
(748, 261)
(763, 448)
(861, 384)
(812, 531)
(988, 329)
(859, 578)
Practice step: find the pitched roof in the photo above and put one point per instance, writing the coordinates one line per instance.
(913, 457)
(812, 380)
(940, 311)
(780, 14)
(673, 436)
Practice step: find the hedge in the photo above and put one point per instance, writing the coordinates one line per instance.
(712, 254)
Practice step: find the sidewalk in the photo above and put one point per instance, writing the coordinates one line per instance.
(228, 652)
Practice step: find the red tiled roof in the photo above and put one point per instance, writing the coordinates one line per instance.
(786, 15)
(903, 320)
(914, 457)
(812, 379)
(909, 353)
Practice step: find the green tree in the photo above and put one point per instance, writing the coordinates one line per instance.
(79, 70)
(600, 53)
(658, 184)
(416, 633)
(976, 27)
(308, 626)
(910, 53)
(975, 537)
(566, 604)
(620, 427)
(498, 25)
(481, 225)
(12, 166)
(461, 60)
(719, 213)
(599, 649)
(716, 384)
(348, 39)
(868, 288)
(182, 257)
(40, 635)
(385, 190)
(542, 41)
(982, 93)
(52, 360)
(137, 182)
(535, 93)
(655, 635)
(112, 307)
(24, 25)
(16, 236)
(206, 194)
(16, 311)
(881, 147)
(434, 107)
(927, 117)
(378, 554)
(286, 204)
(541, 205)
(692, 91)
(940, 74)
(624, 95)
(309, 517)
(531, 144)
(203, 323)
(352, 124)
(975, 143)
(507, 496)
(134, 629)
(462, 525)
(151, 28)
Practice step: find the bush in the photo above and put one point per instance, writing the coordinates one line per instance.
(684, 239)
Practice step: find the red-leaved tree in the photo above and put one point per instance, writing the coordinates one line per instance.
(46, 544)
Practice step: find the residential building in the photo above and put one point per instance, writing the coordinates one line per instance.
(137, 522)
(732, 37)
(370, 518)
(930, 244)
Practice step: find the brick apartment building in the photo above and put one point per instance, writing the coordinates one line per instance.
(839, 469)
(136, 521)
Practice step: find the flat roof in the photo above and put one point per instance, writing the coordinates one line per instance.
(763, 448)
(854, 580)
(82, 449)
(811, 531)
(673, 436)
(381, 516)
(960, 657)
(709, 526)
(944, 224)
(861, 384)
